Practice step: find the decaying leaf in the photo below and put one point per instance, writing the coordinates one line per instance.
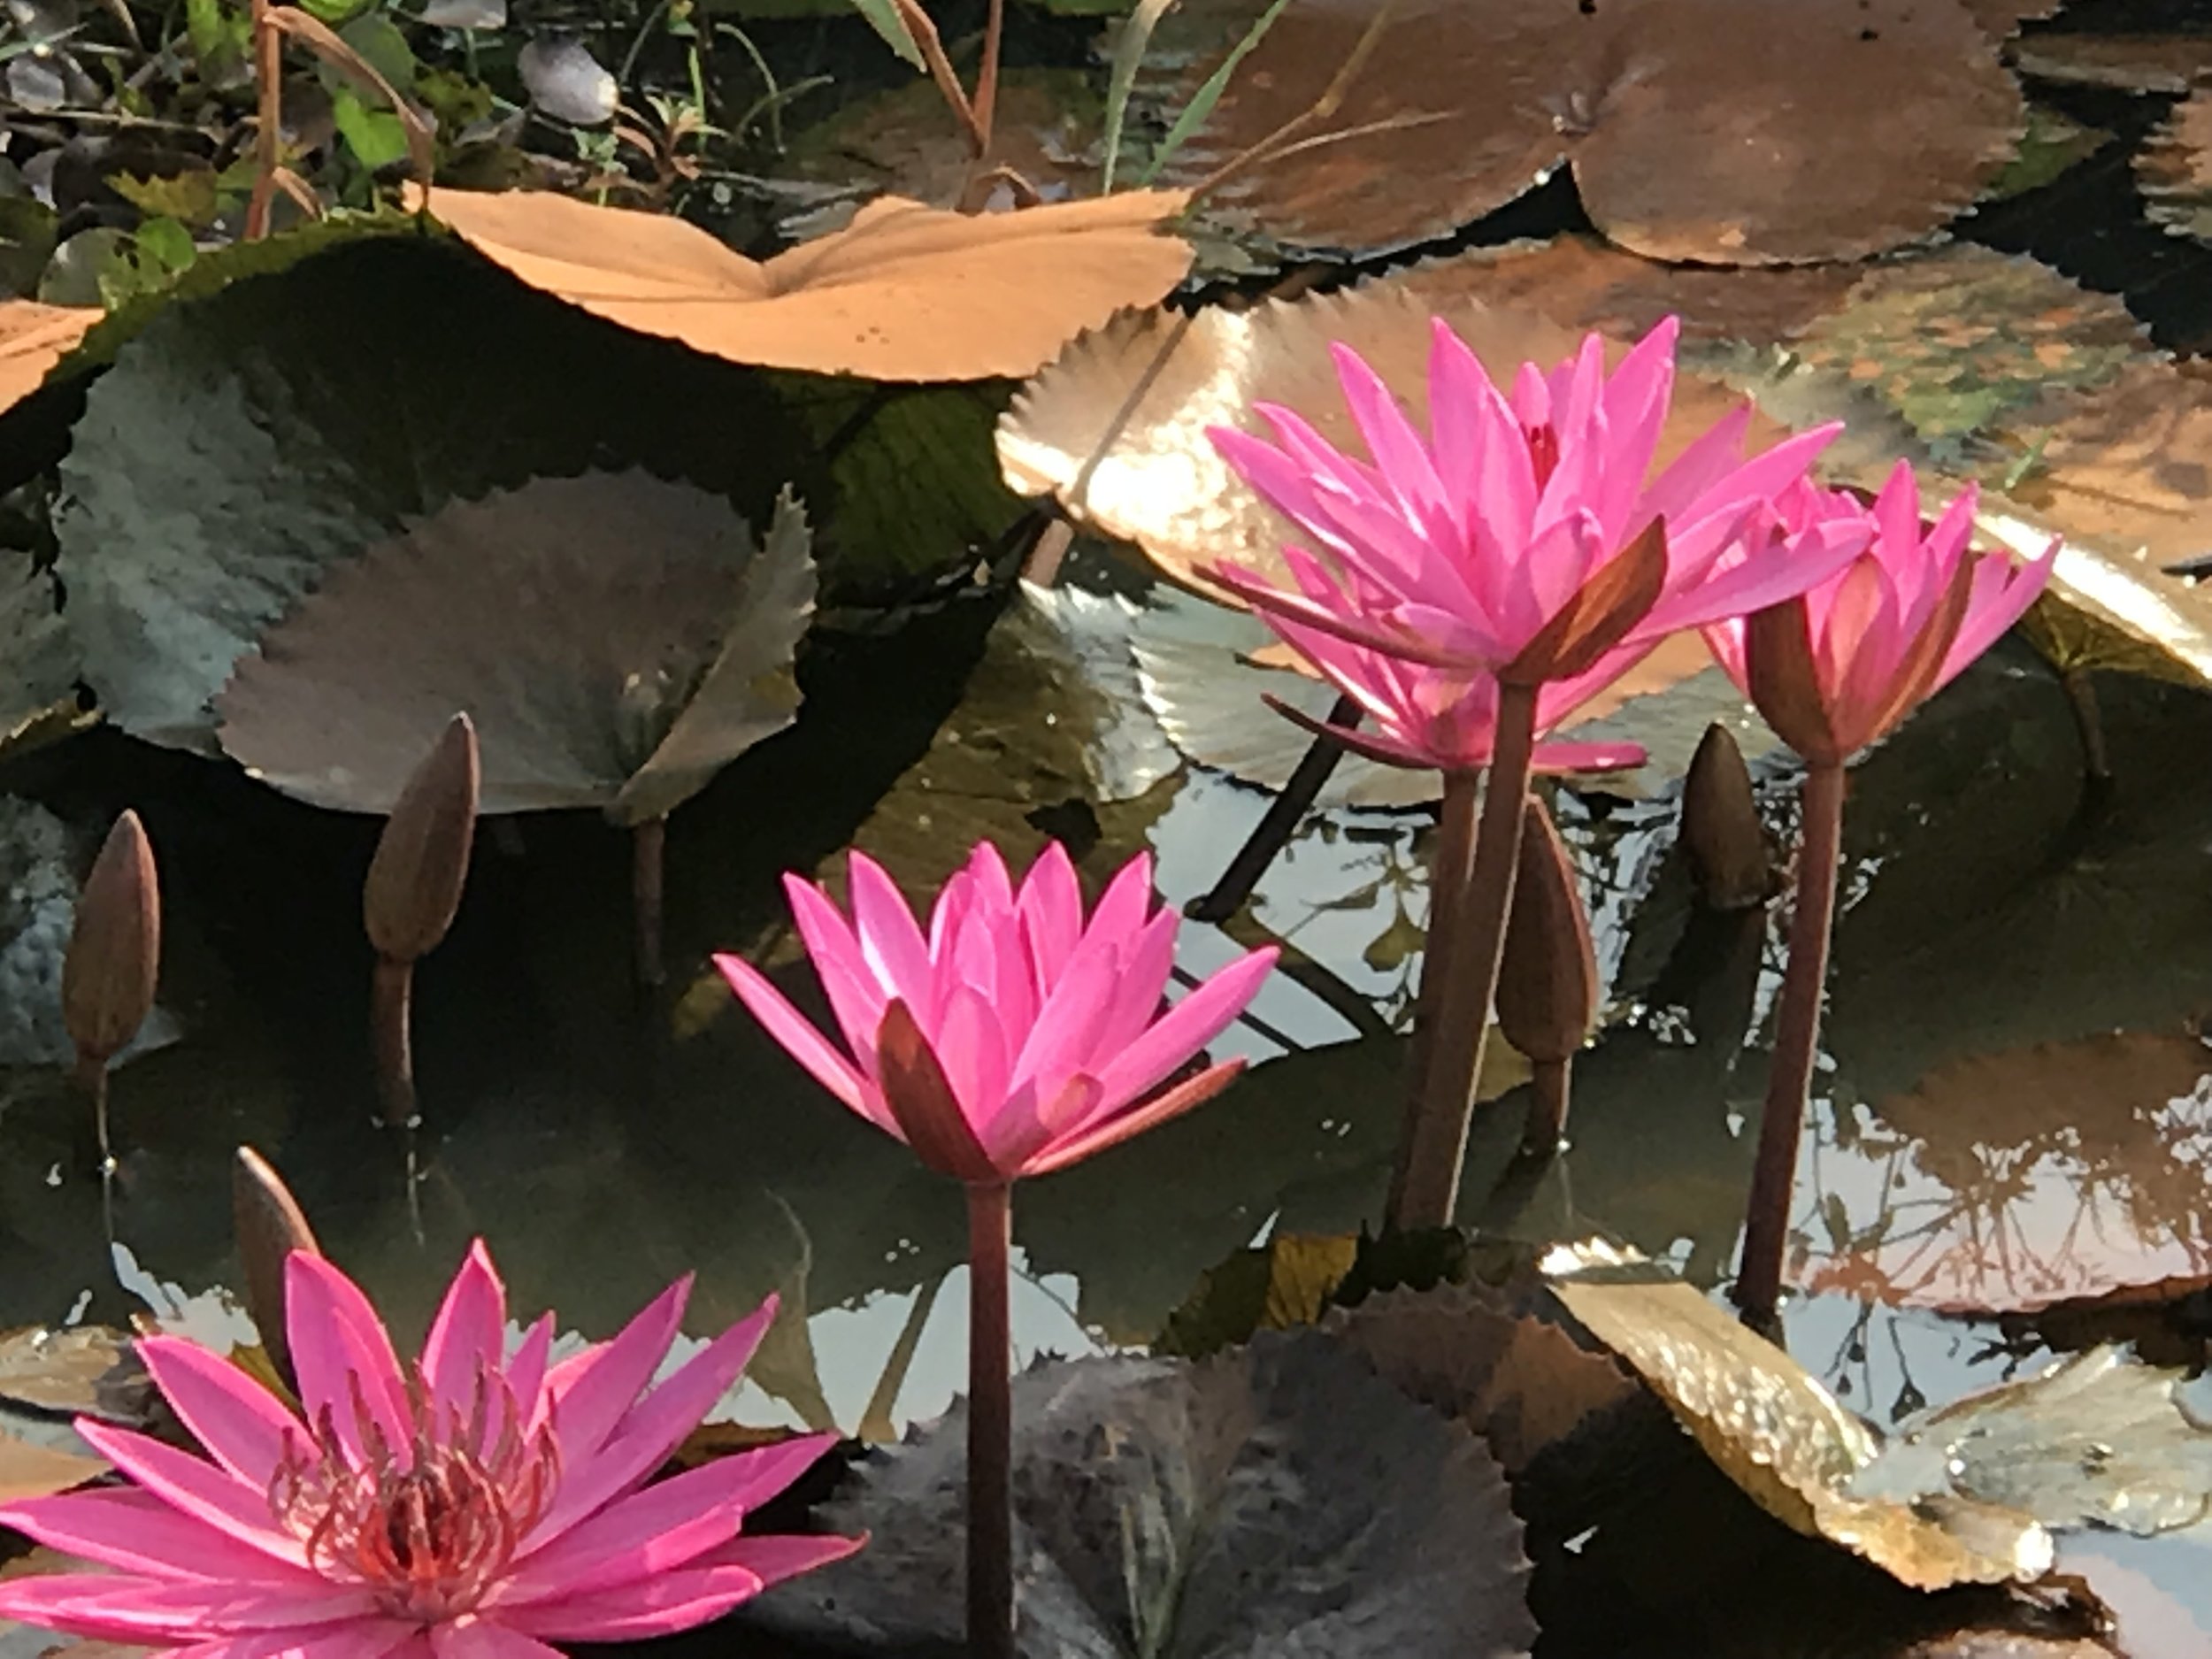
(35, 337)
(1286, 1282)
(1159, 482)
(617, 639)
(1732, 132)
(2008, 1182)
(1280, 1500)
(1781, 1435)
(82, 1371)
(2175, 168)
(2129, 62)
(1520, 1384)
(904, 292)
(38, 1471)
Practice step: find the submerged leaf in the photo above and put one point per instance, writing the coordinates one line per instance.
(1286, 1282)
(904, 293)
(617, 639)
(1279, 1501)
(1730, 132)
(1781, 1436)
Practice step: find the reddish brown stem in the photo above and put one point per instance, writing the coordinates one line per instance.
(1447, 889)
(1796, 1041)
(648, 856)
(985, 99)
(1436, 1140)
(92, 1078)
(268, 148)
(1273, 832)
(990, 1423)
(390, 1018)
(1550, 1083)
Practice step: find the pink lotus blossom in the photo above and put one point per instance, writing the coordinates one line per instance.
(475, 1505)
(1840, 666)
(1014, 1037)
(1473, 547)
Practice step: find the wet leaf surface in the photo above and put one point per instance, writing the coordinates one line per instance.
(35, 645)
(2174, 168)
(616, 639)
(1694, 127)
(2066, 1171)
(904, 292)
(1286, 1282)
(1150, 1518)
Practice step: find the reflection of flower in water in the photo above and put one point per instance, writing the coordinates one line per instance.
(2061, 1173)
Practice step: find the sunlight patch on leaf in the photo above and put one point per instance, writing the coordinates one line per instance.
(1286, 1282)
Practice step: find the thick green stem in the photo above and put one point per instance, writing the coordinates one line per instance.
(1436, 1140)
(1796, 1042)
(990, 1423)
(1448, 887)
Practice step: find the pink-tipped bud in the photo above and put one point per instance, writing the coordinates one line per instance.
(422, 858)
(1731, 858)
(269, 1226)
(114, 961)
(1548, 983)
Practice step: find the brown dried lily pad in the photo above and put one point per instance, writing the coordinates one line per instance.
(2127, 63)
(1145, 470)
(1730, 132)
(904, 292)
(1520, 1384)
(1778, 1434)
(617, 639)
(2065, 1173)
(2174, 168)
(34, 337)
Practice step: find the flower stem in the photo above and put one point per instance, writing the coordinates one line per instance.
(1435, 1143)
(647, 844)
(1448, 887)
(390, 1016)
(268, 59)
(1551, 1088)
(990, 1423)
(1273, 832)
(1796, 1038)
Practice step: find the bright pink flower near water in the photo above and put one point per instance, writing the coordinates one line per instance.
(1840, 666)
(1459, 548)
(1045, 1032)
(475, 1505)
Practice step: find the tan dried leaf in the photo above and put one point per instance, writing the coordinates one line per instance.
(35, 337)
(2129, 63)
(904, 293)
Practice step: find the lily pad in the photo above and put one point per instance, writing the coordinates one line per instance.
(1286, 1282)
(237, 450)
(2133, 62)
(2009, 1182)
(904, 292)
(1781, 1435)
(617, 639)
(1730, 132)
(2175, 169)
(36, 645)
(1277, 1501)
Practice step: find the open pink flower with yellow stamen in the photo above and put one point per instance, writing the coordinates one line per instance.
(1838, 667)
(1527, 536)
(475, 1505)
(1014, 1037)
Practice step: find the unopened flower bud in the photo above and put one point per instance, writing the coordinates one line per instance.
(114, 960)
(1548, 986)
(1730, 857)
(422, 858)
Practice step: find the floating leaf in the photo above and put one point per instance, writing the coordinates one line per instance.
(1286, 1282)
(1151, 1516)
(617, 639)
(1520, 1384)
(904, 293)
(1781, 1436)
(82, 1371)
(2130, 62)
(2061, 1173)
(34, 337)
(1728, 132)
(2175, 169)
(1145, 388)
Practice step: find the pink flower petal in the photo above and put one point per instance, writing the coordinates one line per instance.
(139, 1533)
(241, 1424)
(118, 1607)
(799, 1038)
(588, 1394)
(890, 939)
(470, 1637)
(1192, 1023)
(1051, 909)
(468, 1339)
(654, 1607)
(341, 1353)
(1073, 1147)
(200, 1490)
(357, 1639)
(774, 1556)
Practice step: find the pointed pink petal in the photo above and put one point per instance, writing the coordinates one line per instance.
(1765, 578)
(856, 998)
(200, 1490)
(337, 1337)
(1111, 1130)
(468, 1339)
(773, 1557)
(653, 1606)
(117, 1606)
(1051, 910)
(1192, 1023)
(525, 1371)
(972, 1051)
(1990, 616)
(890, 939)
(241, 1424)
(797, 1036)
(470, 1637)
(355, 1639)
(139, 1533)
(588, 1394)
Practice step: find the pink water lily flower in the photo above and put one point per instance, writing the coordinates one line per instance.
(1840, 666)
(1526, 536)
(474, 1505)
(1014, 1037)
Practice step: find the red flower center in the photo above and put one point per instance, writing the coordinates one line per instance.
(431, 1525)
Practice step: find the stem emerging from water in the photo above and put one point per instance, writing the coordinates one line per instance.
(648, 856)
(990, 1423)
(390, 1014)
(1274, 830)
(1435, 1143)
(1796, 1040)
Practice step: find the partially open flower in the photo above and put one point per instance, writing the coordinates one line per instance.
(1017, 1038)
(475, 1505)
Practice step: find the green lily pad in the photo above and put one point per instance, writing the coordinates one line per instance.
(1279, 1501)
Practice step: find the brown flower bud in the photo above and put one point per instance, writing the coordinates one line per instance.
(1730, 857)
(114, 960)
(269, 1226)
(422, 858)
(1548, 983)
